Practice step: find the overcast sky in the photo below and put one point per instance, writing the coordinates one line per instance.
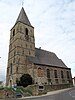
(54, 26)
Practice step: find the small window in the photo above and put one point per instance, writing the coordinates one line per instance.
(14, 32)
(26, 30)
(23, 52)
(26, 34)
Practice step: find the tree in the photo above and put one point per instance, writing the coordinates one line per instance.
(25, 80)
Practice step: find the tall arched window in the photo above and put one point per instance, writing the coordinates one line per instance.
(26, 34)
(62, 75)
(40, 72)
(48, 73)
(26, 31)
(55, 74)
(14, 32)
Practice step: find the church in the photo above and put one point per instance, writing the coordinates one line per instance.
(44, 66)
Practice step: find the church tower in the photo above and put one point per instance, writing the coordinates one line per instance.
(22, 44)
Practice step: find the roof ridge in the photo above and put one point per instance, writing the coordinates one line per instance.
(45, 50)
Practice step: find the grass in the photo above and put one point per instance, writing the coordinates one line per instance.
(21, 89)
(18, 89)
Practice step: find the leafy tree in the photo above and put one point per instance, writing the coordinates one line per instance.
(25, 80)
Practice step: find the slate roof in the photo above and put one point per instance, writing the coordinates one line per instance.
(46, 58)
(23, 17)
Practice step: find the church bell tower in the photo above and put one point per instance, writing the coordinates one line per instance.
(22, 44)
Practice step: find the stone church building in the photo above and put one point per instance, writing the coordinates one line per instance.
(44, 66)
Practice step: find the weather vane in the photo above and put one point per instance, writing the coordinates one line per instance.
(22, 3)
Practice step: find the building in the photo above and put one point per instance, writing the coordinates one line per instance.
(44, 66)
(73, 81)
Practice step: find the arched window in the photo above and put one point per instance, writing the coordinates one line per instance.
(48, 73)
(14, 32)
(55, 74)
(23, 51)
(62, 75)
(26, 31)
(26, 34)
(40, 72)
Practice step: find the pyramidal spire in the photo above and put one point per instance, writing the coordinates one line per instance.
(23, 17)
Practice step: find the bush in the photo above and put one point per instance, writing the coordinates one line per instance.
(25, 80)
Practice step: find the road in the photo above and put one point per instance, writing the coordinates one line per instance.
(65, 95)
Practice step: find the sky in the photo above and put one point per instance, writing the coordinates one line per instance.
(54, 28)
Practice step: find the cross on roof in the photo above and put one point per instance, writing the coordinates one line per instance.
(22, 3)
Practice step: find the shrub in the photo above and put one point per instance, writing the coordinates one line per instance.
(25, 80)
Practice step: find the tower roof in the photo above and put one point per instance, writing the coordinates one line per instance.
(23, 17)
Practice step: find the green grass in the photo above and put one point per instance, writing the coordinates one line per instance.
(18, 89)
(30, 92)
(21, 89)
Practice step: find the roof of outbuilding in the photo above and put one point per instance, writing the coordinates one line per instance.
(46, 58)
(23, 17)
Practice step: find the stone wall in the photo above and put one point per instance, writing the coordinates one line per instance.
(47, 88)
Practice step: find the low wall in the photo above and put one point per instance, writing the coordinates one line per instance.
(47, 88)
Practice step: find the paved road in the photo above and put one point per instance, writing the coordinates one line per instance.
(65, 95)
